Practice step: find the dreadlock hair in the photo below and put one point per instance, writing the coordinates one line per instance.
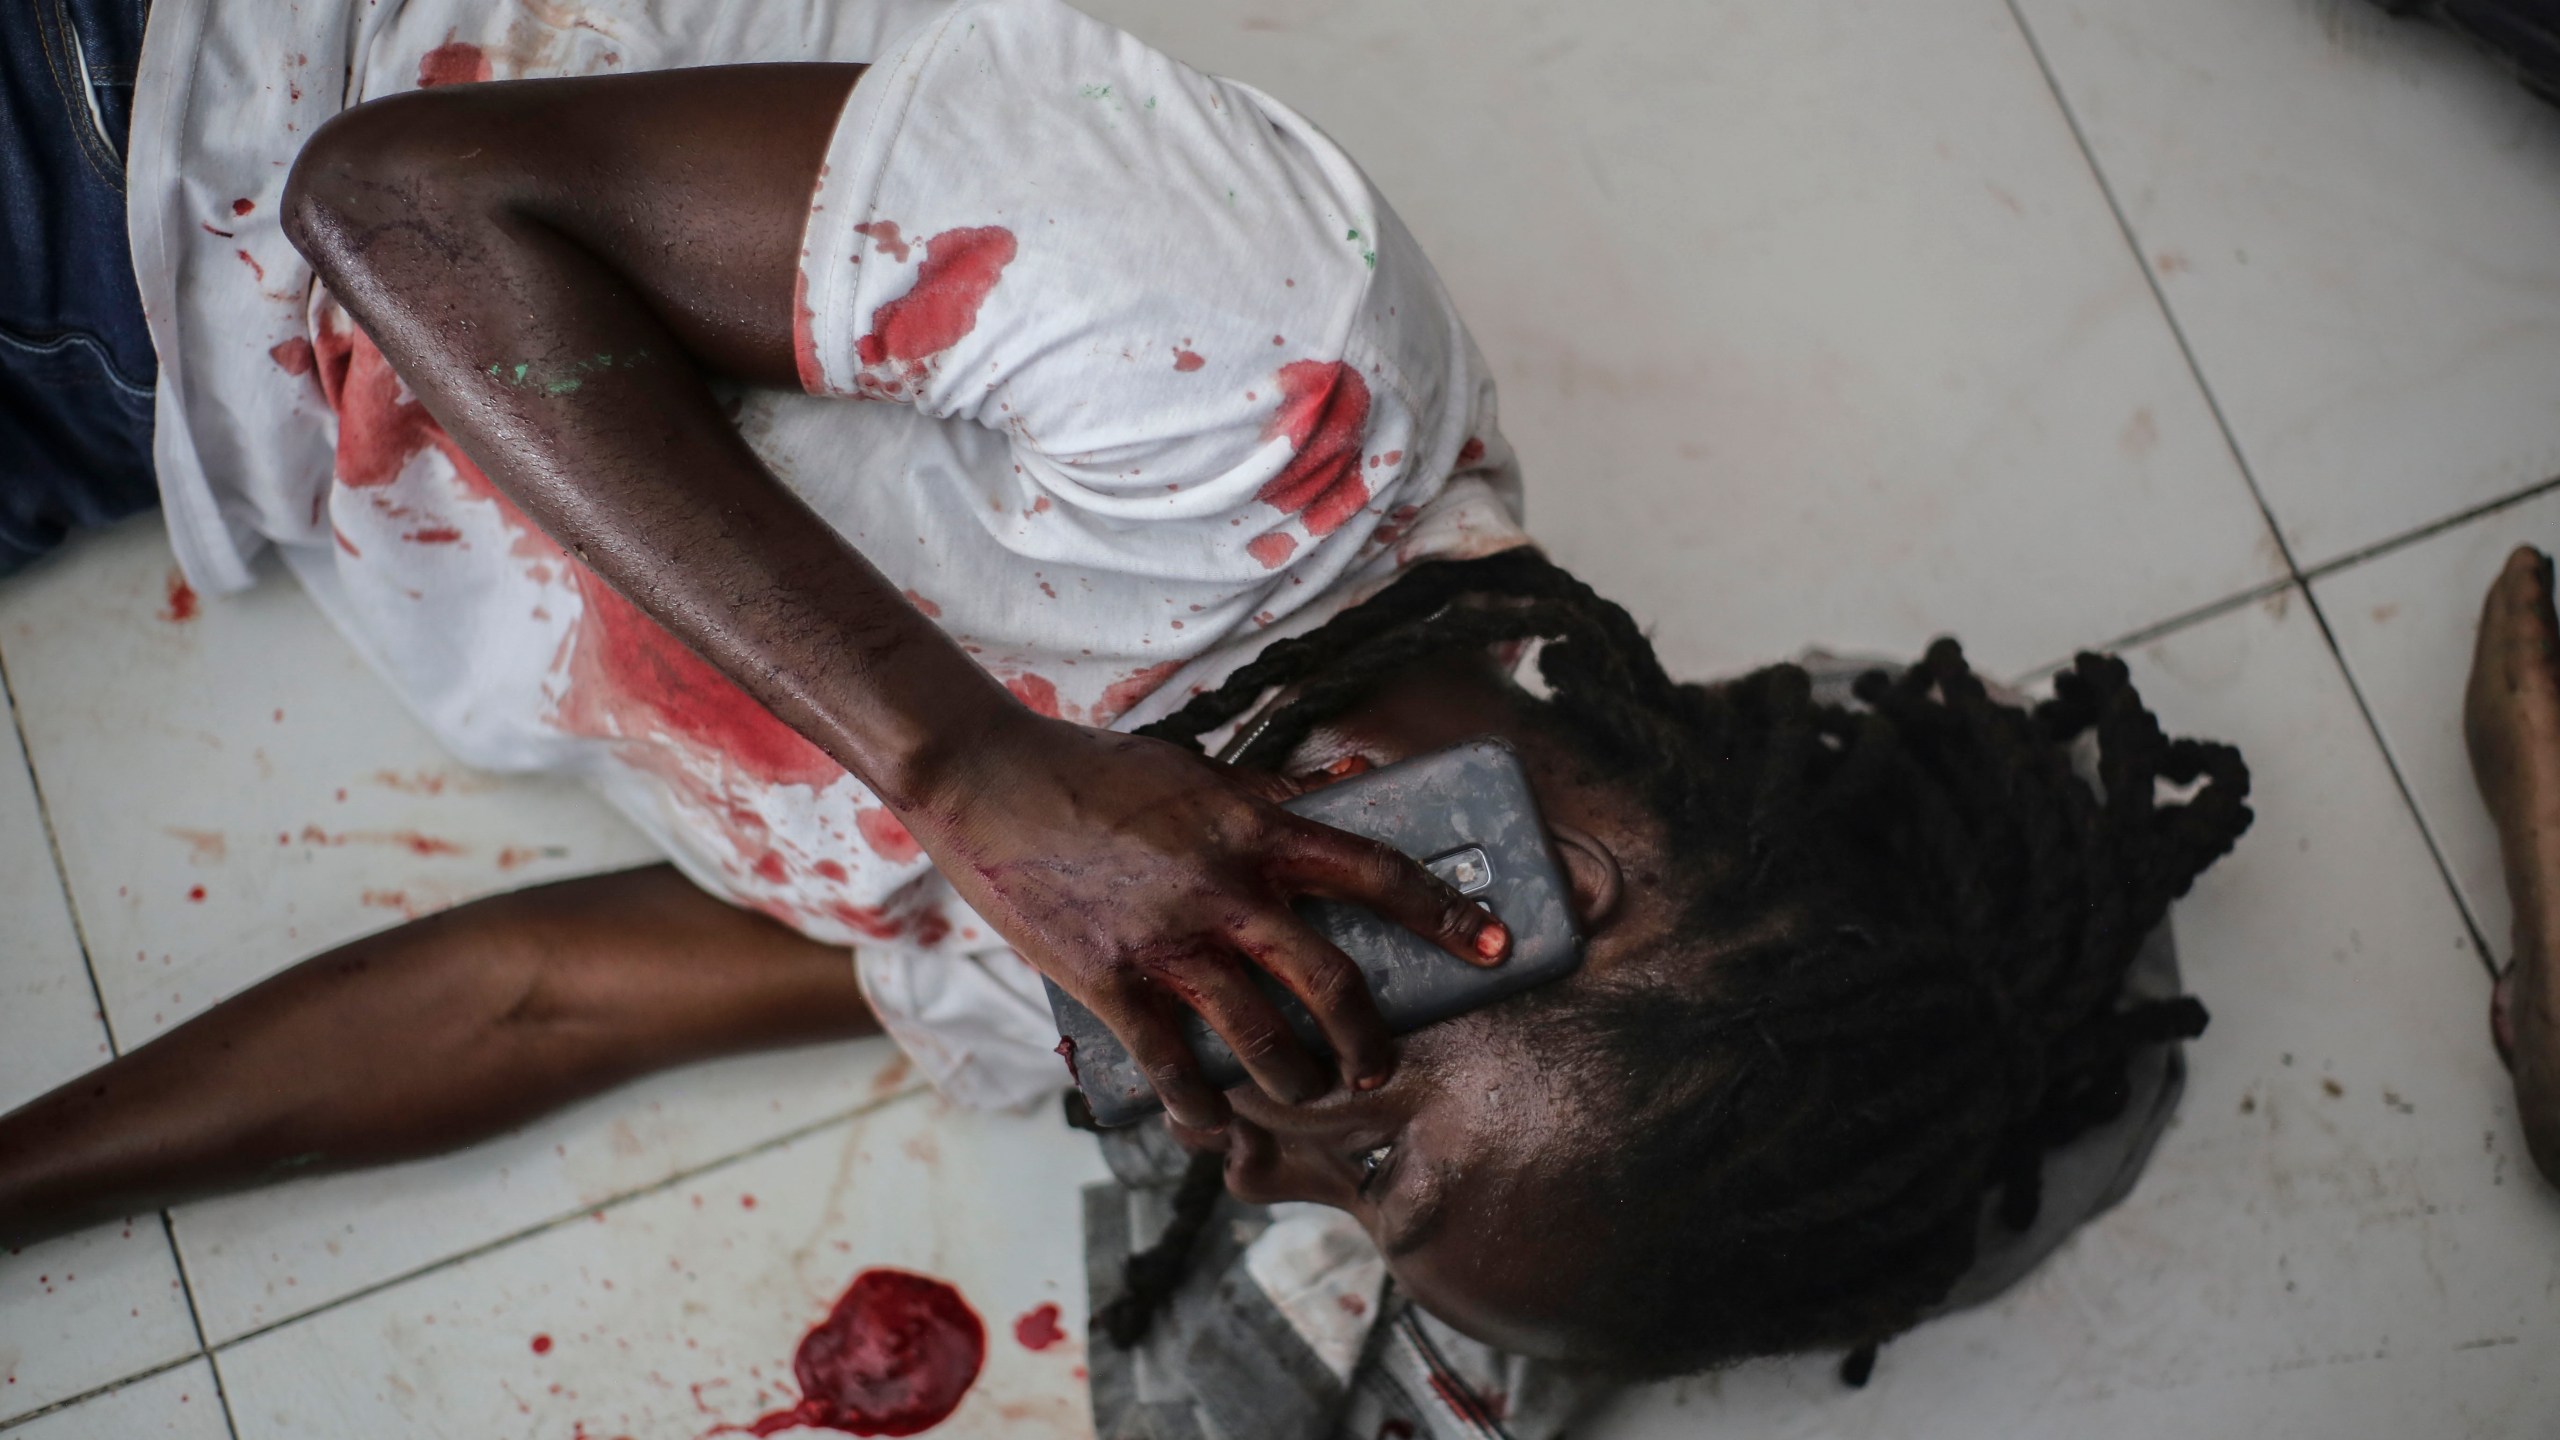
(1918, 921)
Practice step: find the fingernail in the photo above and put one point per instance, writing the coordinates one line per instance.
(1493, 940)
(1367, 1083)
(1348, 765)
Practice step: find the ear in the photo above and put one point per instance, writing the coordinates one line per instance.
(1591, 871)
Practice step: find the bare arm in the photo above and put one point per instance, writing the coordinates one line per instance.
(422, 1038)
(498, 241)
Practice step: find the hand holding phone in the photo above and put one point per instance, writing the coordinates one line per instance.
(1468, 814)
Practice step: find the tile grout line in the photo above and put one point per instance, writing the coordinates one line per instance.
(106, 1022)
(53, 847)
(2326, 569)
(2162, 629)
(2430, 530)
(187, 1287)
(565, 1218)
(111, 1387)
(2248, 473)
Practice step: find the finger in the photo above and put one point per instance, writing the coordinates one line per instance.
(1145, 1025)
(1279, 788)
(1332, 988)
(1341, 866)
(1222, 991)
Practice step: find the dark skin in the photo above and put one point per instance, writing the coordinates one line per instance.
(659, 215)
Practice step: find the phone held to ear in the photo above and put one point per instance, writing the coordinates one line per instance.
(1467, 813)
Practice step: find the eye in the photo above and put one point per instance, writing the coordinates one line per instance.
(1371, 1163)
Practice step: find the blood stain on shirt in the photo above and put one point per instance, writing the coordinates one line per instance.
(867, 920)
(960, 267)
(434, 535)
(1324, 411)
(243, 207)
(254, 267)
(1036, 694)
(1471, 452)
(894, 1357)
(292, 356)
(455, 62)
(804, 337)
(884, 236)
(541, 1344)
(629, 678)
(831, 871)
(196, 894)
(924, 607)
(887, 838)
(1037, 1328)
(1187, 361)
(182, 600)
(1123, 694)
(770, 869)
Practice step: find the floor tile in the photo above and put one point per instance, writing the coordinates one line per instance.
(1826, 281)
(681, 1310)
(2352, 220)
(259, 1258)
(233, 790)
(2406, 621)
(2341, 1234)
(77, 1312)
(178, 1404)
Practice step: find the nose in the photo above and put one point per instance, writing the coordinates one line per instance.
(1265, 1169)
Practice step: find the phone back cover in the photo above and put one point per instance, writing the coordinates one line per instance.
(1432, 807)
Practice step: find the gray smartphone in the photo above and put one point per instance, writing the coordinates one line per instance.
(1467, 813)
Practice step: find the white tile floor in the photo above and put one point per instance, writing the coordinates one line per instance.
(1830, 322)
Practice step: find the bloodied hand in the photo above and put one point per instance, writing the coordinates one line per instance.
(1144, 879)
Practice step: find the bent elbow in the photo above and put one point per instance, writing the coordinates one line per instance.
(386, 164)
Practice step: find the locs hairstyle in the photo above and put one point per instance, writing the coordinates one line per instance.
(1914, 921)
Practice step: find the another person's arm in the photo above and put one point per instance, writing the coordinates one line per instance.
(553, 267)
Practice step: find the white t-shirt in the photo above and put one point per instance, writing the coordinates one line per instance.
(1120, 371)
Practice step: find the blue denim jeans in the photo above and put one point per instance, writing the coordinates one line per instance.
(76, 368)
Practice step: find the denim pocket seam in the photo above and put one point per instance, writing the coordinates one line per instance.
(75, 341)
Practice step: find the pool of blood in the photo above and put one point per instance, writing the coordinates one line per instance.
(894, 1357)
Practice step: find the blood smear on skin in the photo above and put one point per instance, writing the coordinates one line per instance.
(894, 1357)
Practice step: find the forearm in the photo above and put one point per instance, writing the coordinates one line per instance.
(579, 389)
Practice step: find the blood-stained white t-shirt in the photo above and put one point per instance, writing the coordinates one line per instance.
(1118, 370)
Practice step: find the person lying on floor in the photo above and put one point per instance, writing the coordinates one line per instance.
(1166, 430)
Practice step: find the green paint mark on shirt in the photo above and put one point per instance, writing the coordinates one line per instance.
(1097, 92)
